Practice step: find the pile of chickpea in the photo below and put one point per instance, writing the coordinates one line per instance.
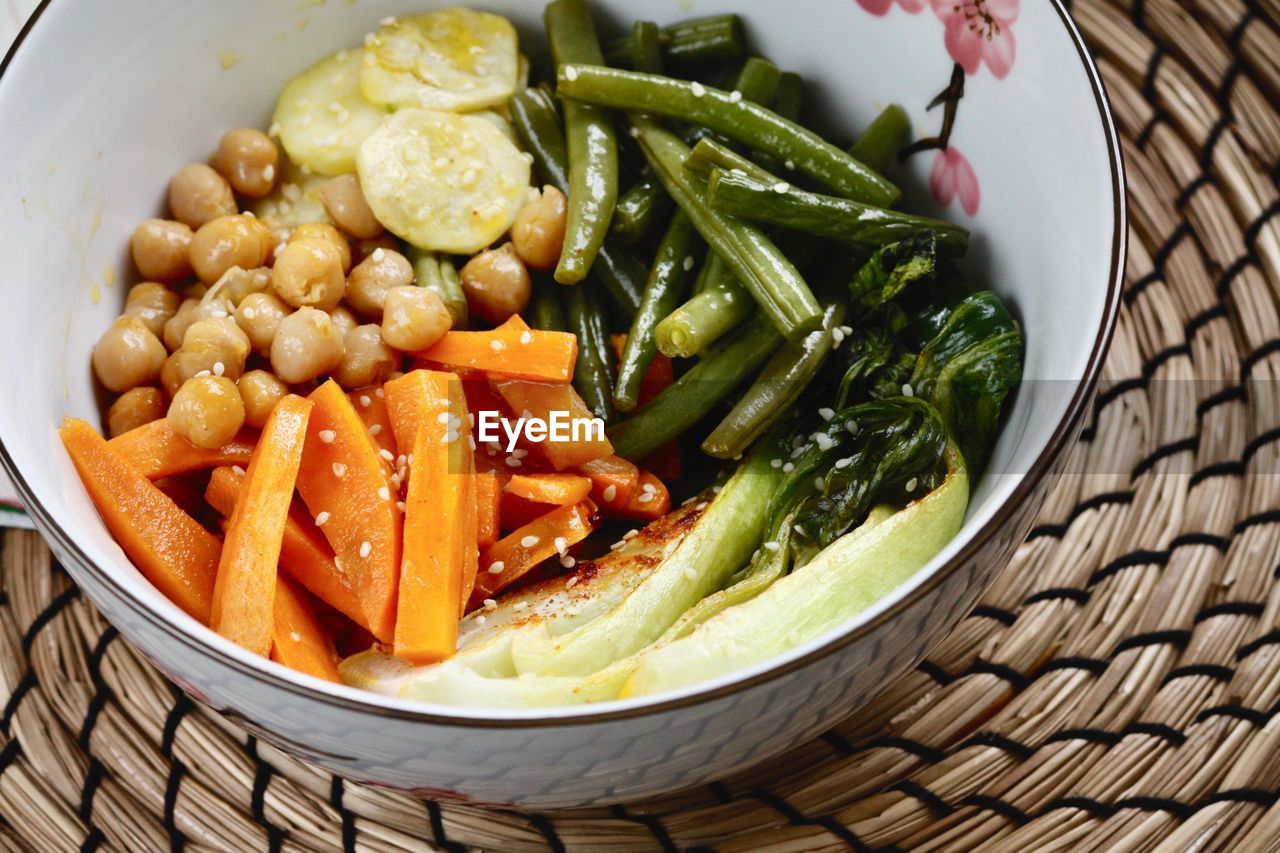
(234, 311)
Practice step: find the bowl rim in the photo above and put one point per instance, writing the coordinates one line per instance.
(1059, 442)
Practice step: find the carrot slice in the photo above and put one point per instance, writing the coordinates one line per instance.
(155, 451)
(440, 528)
(304, 553)
(488, 494)
(665, 461)
(371, 406)
(554, 489)
(552, 404)
(508, 352)
(515, 512)
(297, 639)
(613, 479)
(649, 501)
(344, 478)
(169, 547)
(244, 595)
(421, 393)
(513, 556)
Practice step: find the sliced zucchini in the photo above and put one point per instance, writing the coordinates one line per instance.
(442, 181)
(452, 59)
(323, 118)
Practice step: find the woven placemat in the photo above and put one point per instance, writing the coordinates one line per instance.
(1118, 687)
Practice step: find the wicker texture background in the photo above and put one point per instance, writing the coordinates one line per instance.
(1118, 687)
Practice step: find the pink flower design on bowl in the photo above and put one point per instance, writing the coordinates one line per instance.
(882, 7)
(979, 31)
(953, 176)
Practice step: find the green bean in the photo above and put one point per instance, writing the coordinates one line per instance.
(733, 116)
(537, 125)
(704, 319)
(772, 279)
(781, 204)
(788, 98)
(693, 395)
(545, 310)
(709, 155)
(758, 81)
(776, 390)
(592, 145)
(437, 272)
(592, 376)
(699, 40)
(662, 293)
(879, 144)
(712, 268)
(638, 210)
(646, 47)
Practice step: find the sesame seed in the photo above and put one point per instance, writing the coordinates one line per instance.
(568, 562)
(529, 541)
(512, 462)
(826, 414)
(735, 96)
(645, 498)
(619, 545)
(776, 463)
(521, 605)
(400, 505)
(327, 436)
(698, 89)
(571, 582)
(378, 392)
(389, 21)
(384, 493)
(339, 470)
(365, 549)
(650, 488)
(480, 620)
(365, 402)
(386, 454)
(219, 368)
(837, 335)
(630, 534)
(490, 604)
(701, 505)
(688, 263)
(788, 468)
(526, 337)
(498, 346)
(378, 254)
(570, 73)
(610, 492)
(295, 636)
(824, 442)
(519, 453)
(635, 132)
(790, 164)
(851, 426)
(772, 546)
(240, 471)
(496, 567)
(845, 462)
(561, 544)
(819, 483)
(912, 483)
(782, 187)
(321, 519)
(201, 375)
(450, 436)
(907, 390)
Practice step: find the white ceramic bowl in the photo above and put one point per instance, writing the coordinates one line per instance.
(102, 102)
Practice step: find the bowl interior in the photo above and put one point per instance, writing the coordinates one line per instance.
(95, 152)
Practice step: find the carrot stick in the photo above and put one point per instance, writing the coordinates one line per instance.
(649, 501)
(169, 547)
(488, 493)
(371, 406)
(244, 595)
(665, 461)
(541, 401)
(515, 512)
(554, 489)
(513, 556)
(345, 482)
(613, 479)
(155, 451)
(297, 639)
(440, 521)
(508, 352)
(305, 555)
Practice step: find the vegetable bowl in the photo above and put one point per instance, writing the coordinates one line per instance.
(869, 406)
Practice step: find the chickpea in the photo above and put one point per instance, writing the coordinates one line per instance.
(229, 241)
(496, 283)
(361, 249)
(216, 346)
(191, 311)
(306, 346)
(538, 232)
(308, 273)
(343, 320)
(249, 160)
(260, 390)
(259, 315)
(345, 202)
(207, 411)
(370, 280)
(153, 304)
(238, 283)
(161, 250)
(134, 408)
(322, 231)
(366, 360)
(198, 195)
(413, 318)
(127, 355)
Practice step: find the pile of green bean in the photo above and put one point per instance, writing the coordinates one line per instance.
(702, 257)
